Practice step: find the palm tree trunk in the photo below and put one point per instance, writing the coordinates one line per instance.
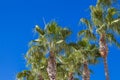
(71, 76)
(103, 46)
(104, 52)
(51, 68)
(86, 72)
(106, 68)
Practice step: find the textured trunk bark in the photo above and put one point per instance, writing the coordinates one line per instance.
(103, 46)
(86, 72)
(106, 68)
(104, 52)
(71, 76)
(51, 68)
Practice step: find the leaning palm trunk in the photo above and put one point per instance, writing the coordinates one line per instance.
(104, 52)
(86, 72)
(71, 76)
(51, 68)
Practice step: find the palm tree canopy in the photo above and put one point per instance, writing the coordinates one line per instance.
(51, 38)
(106, 20)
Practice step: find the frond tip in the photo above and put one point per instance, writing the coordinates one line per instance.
(37, 28)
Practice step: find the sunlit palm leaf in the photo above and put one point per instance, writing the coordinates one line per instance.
(40, 31)
(115, 26)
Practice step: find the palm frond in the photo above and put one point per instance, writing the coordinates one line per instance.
(60, 41)
(87, 34)
(81, 32)
(83, 43)
(52, 28)
(87, 23)
(105, 2)
(110, 14)
(97, 15)
(65, 32)
(111, 38)
(40, 31)
(25, 74)
(115, 26)
(74, 45)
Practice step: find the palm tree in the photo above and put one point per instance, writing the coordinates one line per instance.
(77, 57)
(89, 51)
(51, 41)
(107, 23)
(54, 42)
(81, 55)
(70, 62)
(88, 54)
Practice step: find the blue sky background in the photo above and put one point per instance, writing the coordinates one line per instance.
(17, 20)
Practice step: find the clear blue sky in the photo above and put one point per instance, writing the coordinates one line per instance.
(17, 20)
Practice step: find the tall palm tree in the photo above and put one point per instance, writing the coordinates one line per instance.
(81, 55)
(51, 42)
(107, 23)
(88, 55)
(77, 58)
(88, 50)
(54, 40)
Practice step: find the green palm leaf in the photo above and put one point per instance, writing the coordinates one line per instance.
(40, 31)
(87, 34)
(88, 24)
(111, 38)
